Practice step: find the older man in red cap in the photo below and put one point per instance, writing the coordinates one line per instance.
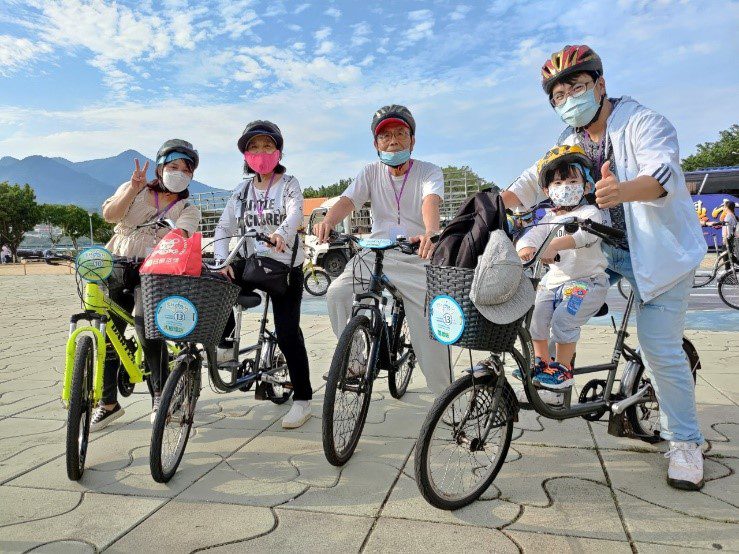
(405, 196)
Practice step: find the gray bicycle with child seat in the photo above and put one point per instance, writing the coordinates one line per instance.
(466, 435)
(369, 344)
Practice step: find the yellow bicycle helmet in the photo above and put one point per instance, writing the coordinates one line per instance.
(564, 154)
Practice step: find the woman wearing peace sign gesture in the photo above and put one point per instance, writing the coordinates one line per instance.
(138, 201)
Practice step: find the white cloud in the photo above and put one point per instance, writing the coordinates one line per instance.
(293, 27)
(299, 45)
(333, 12)
(322, 33)
(237, 18)
(325, 47)
(301, 8)
(424, 28)
(420, 15)
(459, 12)
(367, 61)
(275, 7)
(361, 33)
(16, 53)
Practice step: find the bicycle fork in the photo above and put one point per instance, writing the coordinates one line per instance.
(97, 328)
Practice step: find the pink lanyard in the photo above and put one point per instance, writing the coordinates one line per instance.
(398, 197)
(156, 201)
(260, 208)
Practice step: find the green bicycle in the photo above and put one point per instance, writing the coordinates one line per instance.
(87, 347)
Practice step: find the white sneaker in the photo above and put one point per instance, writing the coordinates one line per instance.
(299, 413)
(548, 397)
(224, 355)
(686, 466)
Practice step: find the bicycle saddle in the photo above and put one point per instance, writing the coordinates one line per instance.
(249, 300)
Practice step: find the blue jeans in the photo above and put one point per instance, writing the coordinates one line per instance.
(660, 324)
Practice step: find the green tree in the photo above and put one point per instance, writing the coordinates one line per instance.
(75, 224)
(464, 174)
(53, 216)
(723, 152)
(328, 191)
(101, 229)
(19, 213)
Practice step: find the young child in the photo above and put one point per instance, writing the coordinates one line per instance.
(575, 287)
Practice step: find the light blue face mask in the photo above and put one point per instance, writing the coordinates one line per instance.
(579, 111)
(394, 159)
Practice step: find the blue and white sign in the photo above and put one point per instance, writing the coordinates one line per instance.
(376, 243)
(446, 319)
(94, 264)
(176, 317)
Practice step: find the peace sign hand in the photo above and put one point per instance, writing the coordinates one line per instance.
(138, 177)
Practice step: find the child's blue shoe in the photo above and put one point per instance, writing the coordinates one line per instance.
(555, 377)
(539, 366)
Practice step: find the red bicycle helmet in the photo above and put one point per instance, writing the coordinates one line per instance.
(569, 60)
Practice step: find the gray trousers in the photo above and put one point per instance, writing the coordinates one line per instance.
(560, 313)
(408, 274)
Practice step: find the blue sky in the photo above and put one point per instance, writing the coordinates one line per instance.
(90, 79)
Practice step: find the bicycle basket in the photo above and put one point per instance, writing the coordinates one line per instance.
(182, 307)
(472, 330)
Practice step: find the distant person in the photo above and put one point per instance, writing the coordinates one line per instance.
(641, 187)
(136, 202)
(729, 229)
(5, 255)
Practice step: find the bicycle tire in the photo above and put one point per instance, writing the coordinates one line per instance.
(316, 281)
(639, 414)
(728, 289)
(398, 381)
(702, 279)
(425, 482)
(80, 407)
(336, 376)
(181, 387)
(278, 395)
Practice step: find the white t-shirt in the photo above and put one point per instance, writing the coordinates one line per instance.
(730, 228)
(586, 260)
(282, 213)
(375, 184)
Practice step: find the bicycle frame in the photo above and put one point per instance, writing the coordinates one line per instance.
(376, 307)
(98, 309)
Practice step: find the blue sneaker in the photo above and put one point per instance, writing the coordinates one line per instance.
(555, 377)
(539, 366)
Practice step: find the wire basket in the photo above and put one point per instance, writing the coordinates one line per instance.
(478, 333)
(185, 308)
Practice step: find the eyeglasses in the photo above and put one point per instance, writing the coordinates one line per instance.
(578, 89)
(397, 134)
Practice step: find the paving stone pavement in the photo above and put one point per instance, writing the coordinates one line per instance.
(245, 484)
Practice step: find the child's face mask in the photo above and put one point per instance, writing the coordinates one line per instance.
(566, 194)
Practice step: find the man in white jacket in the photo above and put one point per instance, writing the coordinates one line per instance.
(640, 185)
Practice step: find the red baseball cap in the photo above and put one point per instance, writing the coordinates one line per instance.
(385, 122)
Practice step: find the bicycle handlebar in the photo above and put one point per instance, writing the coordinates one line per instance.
(402, 243)
(250, 234)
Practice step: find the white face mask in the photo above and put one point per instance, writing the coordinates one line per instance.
(176, 181)
(567, 194)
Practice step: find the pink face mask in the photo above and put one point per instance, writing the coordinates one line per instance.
(262, 162)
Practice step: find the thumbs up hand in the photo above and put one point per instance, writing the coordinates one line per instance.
(607, 189)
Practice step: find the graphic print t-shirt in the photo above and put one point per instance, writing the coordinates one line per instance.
(281, 212)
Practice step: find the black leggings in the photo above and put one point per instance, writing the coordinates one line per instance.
(121, 286)
(286, 312)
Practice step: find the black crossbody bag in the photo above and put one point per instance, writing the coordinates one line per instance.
(263, 273)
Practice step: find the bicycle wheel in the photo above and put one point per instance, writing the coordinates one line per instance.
(644, 417)
(348, 391)
(728, 289)
(405, 358)
(276, 393)
(80, 407)
(316, 281)
(455, 463)
(173, 422)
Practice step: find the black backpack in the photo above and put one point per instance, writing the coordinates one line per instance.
(465, 237)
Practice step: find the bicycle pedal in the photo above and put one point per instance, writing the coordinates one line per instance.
(260, 392)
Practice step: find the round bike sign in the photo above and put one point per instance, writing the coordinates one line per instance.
(175, 317)
(94, 264)
(446, 319)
